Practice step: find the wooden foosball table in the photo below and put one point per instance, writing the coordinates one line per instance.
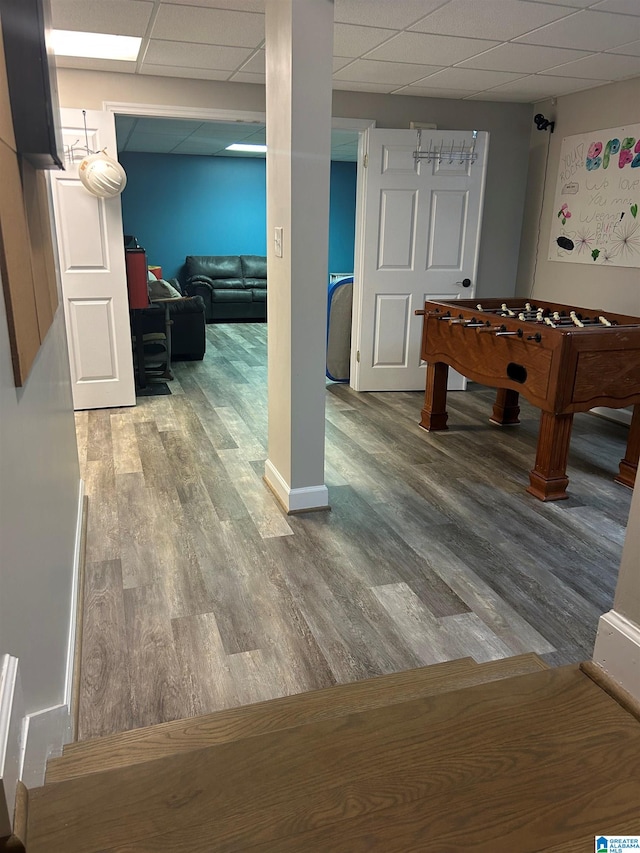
(562, 359)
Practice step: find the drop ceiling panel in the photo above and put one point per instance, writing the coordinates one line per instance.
(537, 87)
(624, 7)
(525, 58)
(236, 5)
(351, 86)
(173, 126)
(498, 19)
(118, 17)
(246, 77)
(177, 71)
(600, 66)
(471, 80)
(423, 92)
(255, 64)
(155, 143)
(370, 71)
(629, 49)
(587, 30)
(232, 132)
(383, 13)
(434, 50)
(349, 40)
(195, 55)
(209, 26)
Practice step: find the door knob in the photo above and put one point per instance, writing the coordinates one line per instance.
(466, 282)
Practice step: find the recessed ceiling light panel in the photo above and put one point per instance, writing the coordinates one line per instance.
(94, 45)
(240, 146)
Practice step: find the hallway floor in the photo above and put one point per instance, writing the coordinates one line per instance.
(201, 594)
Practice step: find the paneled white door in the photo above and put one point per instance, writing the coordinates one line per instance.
(418, 238)
(94, 285)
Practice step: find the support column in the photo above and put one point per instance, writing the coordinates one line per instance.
(299, 57)
(617, 649)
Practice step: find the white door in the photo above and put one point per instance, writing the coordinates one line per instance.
(92, 267)
(418, 237)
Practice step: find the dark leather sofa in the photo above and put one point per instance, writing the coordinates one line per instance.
(233, 287)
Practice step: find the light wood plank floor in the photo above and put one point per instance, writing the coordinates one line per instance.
(201, 594)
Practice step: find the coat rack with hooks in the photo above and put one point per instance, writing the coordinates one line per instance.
(446, 153)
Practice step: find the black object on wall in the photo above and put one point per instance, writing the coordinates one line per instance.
(33, 87)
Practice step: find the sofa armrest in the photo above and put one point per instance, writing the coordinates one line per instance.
(188, 305)
(176, 283)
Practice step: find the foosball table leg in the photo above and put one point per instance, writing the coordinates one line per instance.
(629, 464)
(506, 408)
(548, 479)
(434, 412)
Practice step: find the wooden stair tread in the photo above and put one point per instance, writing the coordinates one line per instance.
(520, 764)
(144, 744)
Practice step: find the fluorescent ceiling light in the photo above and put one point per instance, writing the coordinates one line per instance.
(239, 146)
(94, 45)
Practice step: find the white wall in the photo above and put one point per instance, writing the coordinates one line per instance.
(617, 288)
(508, 125)
(39, 483)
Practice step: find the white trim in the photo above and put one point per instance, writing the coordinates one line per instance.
(11, 716)
(45, 733)
(71, 645)
(617, 651)
(206, 114)
(620, 416)
(295, 500)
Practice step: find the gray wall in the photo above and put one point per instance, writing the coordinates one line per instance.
(508, 125)
(39, 481)
(617, 288)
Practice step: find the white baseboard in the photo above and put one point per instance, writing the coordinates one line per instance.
(620, 416)
(295, 500)
(71, 647)
(45, 733)
(617, 651)
(11, 739)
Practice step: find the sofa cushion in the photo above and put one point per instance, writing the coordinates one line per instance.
(227, 284)
(258, 294)
(231, 295)
(260, 283)
(254, 266)
(214, 266)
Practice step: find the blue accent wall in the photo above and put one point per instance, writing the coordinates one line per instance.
(178, 205)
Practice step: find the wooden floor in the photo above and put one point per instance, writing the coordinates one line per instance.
(539, 763)
(201, 594)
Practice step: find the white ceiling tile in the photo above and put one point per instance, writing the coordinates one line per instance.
(195, 55)
(429, 92)
(352, 86)
(167, 126)
(157, 143)
(259, 137)
(225, 130)
(96, 64)
(587, 30)
(119, 17)
(494, 95)
(624, 7)
(237, 5)
(349, 40)
(247, 77)
(631, 49)
(538, 87)
(599, 66)
(371, 71)
(177, 71)
(256, 64)
(203, 147)
(525, 58)
(383, 13)
(209, 26)
(470, 79)
(433, 50)
(575, 4)
(499, 19)
(340, 62)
